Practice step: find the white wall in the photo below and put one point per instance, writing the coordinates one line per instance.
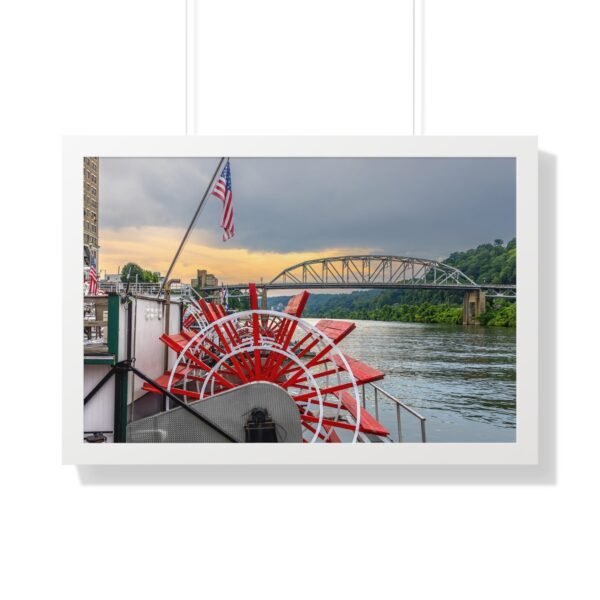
(149, 351)
(491, 67)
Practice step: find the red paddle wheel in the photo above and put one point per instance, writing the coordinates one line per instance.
(227, 351)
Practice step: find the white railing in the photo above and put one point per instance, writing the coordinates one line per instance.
(399, 407)
(145, 289)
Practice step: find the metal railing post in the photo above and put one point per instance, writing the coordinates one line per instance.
(399, 407)
(399, 422)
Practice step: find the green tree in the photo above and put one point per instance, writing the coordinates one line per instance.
(132, 271)
(488, 263)
(150, 277)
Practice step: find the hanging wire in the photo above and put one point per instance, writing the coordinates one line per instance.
(414, 66)
(190, 67)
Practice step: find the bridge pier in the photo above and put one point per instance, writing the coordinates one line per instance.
(473, 306)
(263, 299)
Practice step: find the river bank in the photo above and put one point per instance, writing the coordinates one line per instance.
(502, 315)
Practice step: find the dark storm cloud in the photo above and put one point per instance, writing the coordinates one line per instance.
(414, 206)
(150, 191)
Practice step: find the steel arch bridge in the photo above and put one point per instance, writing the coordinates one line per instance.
(377, 271)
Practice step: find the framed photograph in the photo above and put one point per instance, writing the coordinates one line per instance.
(300, 300)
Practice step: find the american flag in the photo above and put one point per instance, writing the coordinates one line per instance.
(224, 297)
(222, 191)
(93, 279)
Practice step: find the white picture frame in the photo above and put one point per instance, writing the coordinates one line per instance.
(524, 451)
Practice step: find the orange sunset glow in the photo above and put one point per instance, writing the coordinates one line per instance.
(154, 247)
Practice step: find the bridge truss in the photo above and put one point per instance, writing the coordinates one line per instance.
(369, 269)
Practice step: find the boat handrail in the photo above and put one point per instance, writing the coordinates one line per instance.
(399, 406)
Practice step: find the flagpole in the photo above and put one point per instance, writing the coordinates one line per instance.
(189, 229)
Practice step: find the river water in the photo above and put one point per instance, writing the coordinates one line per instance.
(463, 379)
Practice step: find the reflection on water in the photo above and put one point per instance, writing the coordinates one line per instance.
(463, 379)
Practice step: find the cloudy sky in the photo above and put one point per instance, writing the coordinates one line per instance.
(290, 210)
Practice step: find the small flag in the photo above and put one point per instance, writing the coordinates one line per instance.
(93, 279)
(224, 296)
(222, 190)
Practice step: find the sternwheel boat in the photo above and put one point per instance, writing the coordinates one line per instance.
(187, 371)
